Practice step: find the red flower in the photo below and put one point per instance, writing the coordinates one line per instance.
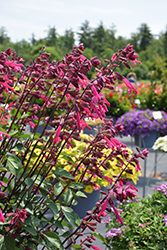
(111, 94)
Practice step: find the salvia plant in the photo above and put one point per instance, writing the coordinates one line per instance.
(59, 96)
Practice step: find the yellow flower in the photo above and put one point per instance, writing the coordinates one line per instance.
(88, 189)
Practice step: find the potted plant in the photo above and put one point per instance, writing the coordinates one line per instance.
(68, 159)
(144, 123)
(145, 224)
(161, 144)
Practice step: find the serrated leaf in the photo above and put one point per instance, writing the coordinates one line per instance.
(63, 173)
(54, 239)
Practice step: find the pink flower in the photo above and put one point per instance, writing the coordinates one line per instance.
(103, 208)
(114, 57)
(117, 142)
(96, 248)
(129, 85)
(145, 152)
(32, 125)
(13, 64)
(2, 219)
(108, 179)
(57, 134)
(145, 224)
(95, 92)
(117, 214)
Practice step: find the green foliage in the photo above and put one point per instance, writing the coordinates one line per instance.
(100, 41)
(135, 235)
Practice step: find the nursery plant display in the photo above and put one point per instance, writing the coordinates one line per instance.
(32, 180)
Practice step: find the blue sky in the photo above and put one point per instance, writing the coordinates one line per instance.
(22, 18)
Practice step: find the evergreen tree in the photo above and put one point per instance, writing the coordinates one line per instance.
(68, 39)
(145, 36)
(52, 36)
(85, 35)
(99, 38)
(3, 36)
(164, 40)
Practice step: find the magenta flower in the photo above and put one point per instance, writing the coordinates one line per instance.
(145, 152)
(165, 220)
(96, 248)
(2, 219)
(95, 62)
(129, 85)
(114, 57)
(57, 134)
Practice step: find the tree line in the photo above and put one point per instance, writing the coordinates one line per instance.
(99, 41)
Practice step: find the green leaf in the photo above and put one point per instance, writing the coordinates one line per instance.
(29, 229)
(14, 161)
(43, 192)
(76, 247)
(98, 235)
(68, 196)
(63, 173)
(1, 240)
(19, 148)
(68, 158)
(76, 185)
(28, 181)
(81, 194)
(70, 216)
(9, 243)
(58, 188)
(24, 135)
(55, 209)
(66, 234)
(11, 184)
(13, 111)
(54, 239)
(13, 132)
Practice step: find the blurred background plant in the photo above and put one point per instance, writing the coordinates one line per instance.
(153, 95)
(145, 224)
